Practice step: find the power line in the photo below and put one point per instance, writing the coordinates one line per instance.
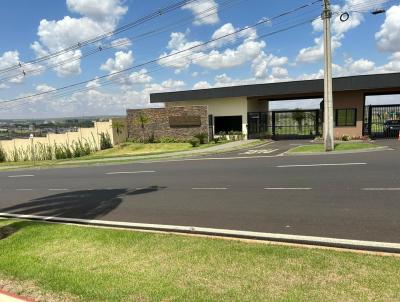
(101, 37)
(55, 92)
(210, 11)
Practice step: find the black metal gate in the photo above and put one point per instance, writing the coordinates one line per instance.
(296, 124)
(257, 125)
(382, 121)
(284, 124)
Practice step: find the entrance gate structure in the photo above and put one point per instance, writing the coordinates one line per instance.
(381, 121)
(288, 124)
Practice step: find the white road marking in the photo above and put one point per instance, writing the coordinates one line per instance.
(300, 239)
(321, 165)
(129, 172)
(259, 151)
(209, 188)
(58, 189)
(380, 189)
(287, 188)
(23, 189)
(25, 175)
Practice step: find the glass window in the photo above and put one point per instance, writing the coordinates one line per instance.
(345, 117)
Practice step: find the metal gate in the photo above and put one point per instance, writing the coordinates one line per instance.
(257, 125)
(296, 124)
(284, 124)
(382, 121)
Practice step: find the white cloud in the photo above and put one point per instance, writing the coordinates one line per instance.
(201, 85)
(389, 35)
(245, 52)
(121, 43)
(226, 29)
(203, 11)
(122, 60)
(101, 11)
(261, 64)
(9, 59)
(177, 43)
(44, 88)
(315, 52)
(140, 77)
(98, 17)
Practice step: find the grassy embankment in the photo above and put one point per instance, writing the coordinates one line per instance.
(131, 150)
(72, 263)
(348, 146)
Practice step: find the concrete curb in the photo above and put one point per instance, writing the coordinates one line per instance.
(377, 149)
(373, 246)
(9, 297)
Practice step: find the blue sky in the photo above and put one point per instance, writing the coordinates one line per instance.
(364, 44)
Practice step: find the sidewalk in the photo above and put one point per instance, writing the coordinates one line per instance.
(7, 297)
(231, 146)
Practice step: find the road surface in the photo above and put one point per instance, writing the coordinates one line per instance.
(348, 196)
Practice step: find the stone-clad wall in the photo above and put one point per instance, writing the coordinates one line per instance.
(159, 122)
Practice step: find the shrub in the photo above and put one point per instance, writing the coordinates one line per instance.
(63, 152)
(222, 135)
(346, 138)
(203, 137)
(3, 156)
(15, 155)
(195, 142)
(168, 140)
(216, 140)
(105, 141)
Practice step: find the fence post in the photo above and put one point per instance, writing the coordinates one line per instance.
(369, 120)
(273, 123)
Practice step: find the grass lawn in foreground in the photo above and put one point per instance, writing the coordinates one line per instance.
(94, 264)
(312, 148)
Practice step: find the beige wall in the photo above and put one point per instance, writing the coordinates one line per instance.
(348, 100)
(90, 135)
(221, 107)
(254, 105)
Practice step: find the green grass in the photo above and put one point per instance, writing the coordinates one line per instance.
(314, 148)
(90, 264)
(135, 151)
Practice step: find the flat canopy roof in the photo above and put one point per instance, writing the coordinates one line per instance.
(285, 90)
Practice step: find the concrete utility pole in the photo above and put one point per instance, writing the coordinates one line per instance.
(328, 94)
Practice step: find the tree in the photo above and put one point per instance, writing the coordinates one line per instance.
(299, 116)
(118, 126)
(142, 120)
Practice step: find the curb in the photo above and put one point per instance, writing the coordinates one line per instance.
(9, 297)
(377, 149)
(372, 246)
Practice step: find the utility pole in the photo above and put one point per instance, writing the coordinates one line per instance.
(328, 94)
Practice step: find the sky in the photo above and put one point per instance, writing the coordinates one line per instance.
(280, 48)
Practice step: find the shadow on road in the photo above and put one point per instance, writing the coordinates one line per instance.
(84, 204)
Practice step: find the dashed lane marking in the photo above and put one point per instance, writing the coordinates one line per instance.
(129, 172)
(321, 165)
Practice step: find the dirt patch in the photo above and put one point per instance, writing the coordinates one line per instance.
(6, 231)
(31, 291)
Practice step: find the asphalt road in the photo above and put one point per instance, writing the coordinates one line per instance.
(348, 196)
